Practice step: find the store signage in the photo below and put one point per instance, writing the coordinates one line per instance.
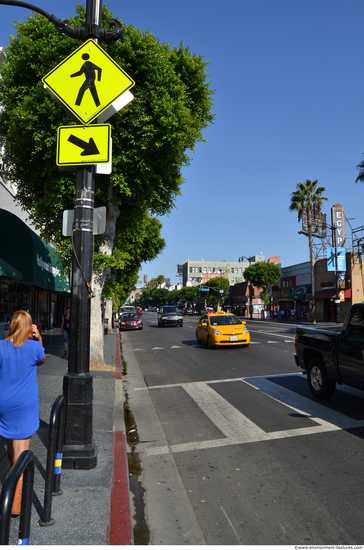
(336, 259)
(207, 276)
(338, 223)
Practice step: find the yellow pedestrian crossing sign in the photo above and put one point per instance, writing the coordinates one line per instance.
(88, 82)
(83, 145)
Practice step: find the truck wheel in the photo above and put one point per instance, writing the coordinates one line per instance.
(318, 381)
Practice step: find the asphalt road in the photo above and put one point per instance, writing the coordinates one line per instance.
(261, 460)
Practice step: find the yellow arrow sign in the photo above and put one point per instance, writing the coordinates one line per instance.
(83, 145)
(87, 82)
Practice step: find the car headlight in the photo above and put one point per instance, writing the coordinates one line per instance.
(246, 331)
(216, 332)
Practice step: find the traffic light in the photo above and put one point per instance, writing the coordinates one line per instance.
(251, 290)
(145, 278)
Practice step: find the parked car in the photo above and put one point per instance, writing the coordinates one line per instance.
(169, 315)
(222, 329)
(333, 354)
(130, 321)
(206, 310)
(126, 309)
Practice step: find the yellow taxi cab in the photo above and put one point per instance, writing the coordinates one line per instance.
(222, 329)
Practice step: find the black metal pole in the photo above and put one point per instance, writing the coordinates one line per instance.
(79, 450)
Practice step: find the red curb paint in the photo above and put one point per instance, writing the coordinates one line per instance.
(120, 531)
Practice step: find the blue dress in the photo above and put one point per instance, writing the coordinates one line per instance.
(19, 404)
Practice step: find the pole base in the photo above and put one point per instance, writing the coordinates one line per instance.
(79, 457)
(42, 523)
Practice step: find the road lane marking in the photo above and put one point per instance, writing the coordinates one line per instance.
(272, 334)
(232, 423)
(239, 429)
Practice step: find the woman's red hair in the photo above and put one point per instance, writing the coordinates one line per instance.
(20, 328)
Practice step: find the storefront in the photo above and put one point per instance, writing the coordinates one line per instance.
(30, 274)
(349, 292)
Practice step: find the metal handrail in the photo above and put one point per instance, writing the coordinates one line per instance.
(23, 466)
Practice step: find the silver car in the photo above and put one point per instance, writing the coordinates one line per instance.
(169, 315)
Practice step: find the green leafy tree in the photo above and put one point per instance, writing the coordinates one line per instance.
(217, 284)
(151, 137)
(308, 197)
(262, 275)
(160, 297)
(188, 294)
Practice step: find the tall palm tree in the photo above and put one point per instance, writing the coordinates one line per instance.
(308, 198)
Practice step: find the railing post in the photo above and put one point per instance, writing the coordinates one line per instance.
(54, 459)
(24, 465)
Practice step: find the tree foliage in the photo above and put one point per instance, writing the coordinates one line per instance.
(262, 275)
(151, 138)
(307, 197)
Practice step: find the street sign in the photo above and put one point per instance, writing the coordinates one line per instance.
(88, 82)
(83, 145)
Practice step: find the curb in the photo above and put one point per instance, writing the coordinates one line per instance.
(120, 530)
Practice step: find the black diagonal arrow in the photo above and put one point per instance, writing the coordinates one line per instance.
(88, 148)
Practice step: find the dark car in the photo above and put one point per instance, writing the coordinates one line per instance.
(130, 321)
(169, 315)
(188, 311)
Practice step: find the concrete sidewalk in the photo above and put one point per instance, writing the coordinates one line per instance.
(95, 505)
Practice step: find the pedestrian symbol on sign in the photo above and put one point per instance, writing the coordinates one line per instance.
(89, 70)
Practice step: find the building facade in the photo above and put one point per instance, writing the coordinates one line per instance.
(350, 292)
(197, 272)
(30, 274)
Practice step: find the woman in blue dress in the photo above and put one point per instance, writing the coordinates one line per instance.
(19, 405)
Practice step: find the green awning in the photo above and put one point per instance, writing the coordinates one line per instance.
(6, 270)
(30, 255)
(300, 292)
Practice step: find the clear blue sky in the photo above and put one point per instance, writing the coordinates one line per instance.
(289, 106)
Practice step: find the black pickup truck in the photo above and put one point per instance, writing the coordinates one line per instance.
(332, 354)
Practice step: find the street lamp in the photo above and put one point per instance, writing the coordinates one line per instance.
(250, 286)
(79, 450)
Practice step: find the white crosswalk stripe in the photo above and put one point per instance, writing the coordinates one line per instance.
(239, 429)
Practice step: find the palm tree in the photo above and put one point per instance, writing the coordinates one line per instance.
(159, 280)
(308, 198)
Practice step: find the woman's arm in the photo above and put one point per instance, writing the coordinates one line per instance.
(37, 335)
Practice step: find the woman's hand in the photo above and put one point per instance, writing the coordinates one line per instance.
(36, 333)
